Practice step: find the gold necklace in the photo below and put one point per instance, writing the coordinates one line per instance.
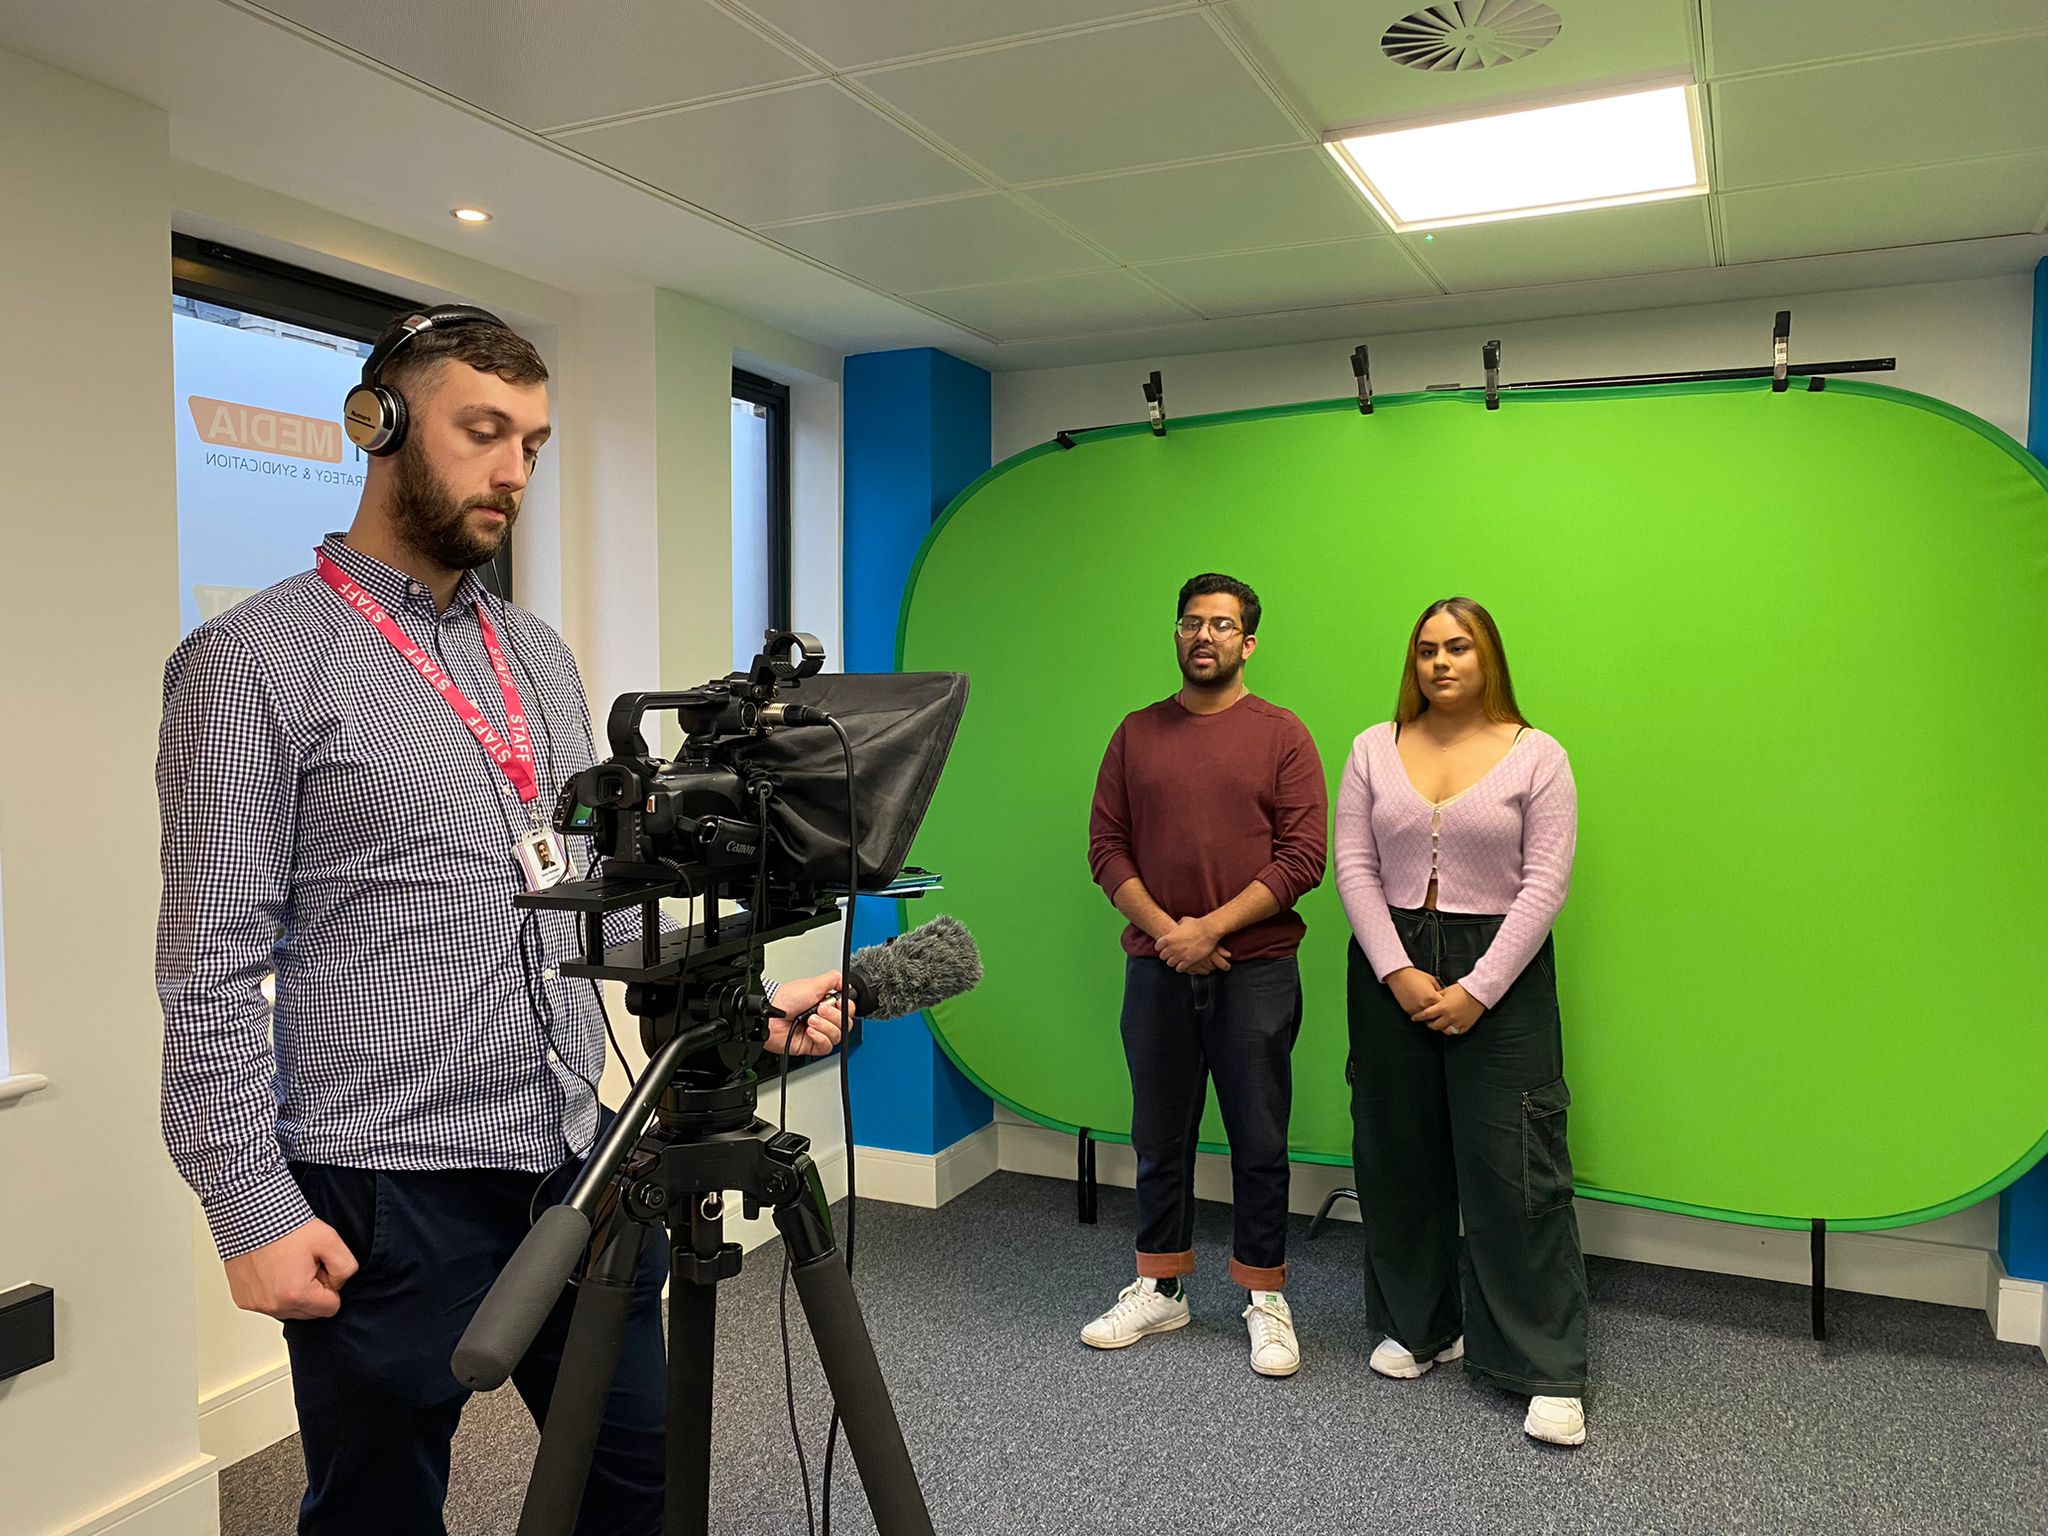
(1445, 746)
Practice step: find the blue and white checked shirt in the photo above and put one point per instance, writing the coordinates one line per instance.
(327, 816)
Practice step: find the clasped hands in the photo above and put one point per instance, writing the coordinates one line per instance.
(1194, 947)
(1447, 1010)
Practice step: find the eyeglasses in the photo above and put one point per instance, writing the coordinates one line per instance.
(1191, 626)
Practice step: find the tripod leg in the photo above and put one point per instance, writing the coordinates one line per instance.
(597, 1329)
(692, 1338)
(848, 1355)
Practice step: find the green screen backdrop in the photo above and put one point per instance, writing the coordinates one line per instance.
(1797, 648)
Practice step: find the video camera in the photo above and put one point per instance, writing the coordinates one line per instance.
(762, 816)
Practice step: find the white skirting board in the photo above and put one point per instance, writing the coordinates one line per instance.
(252, 1415)
(1874, 1263)
(2018, 1308)
(927, 1180)
(185, 1503)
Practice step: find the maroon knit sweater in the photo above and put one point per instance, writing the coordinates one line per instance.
(1199, 806)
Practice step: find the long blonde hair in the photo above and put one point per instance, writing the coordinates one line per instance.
(1497, 695)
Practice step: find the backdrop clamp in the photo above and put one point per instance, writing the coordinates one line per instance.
(1155, 404)
(1361, 371)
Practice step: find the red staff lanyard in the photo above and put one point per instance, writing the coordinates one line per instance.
(511, 749)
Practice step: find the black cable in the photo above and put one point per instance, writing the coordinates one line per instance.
(548, 732)
(845, 1079)
(549, 762)
(597, 991)
(543, 1009)
(625, 1066)
(544, 1015)
(538, 708)
(682, 873)
(760, 907)
(803, 1465)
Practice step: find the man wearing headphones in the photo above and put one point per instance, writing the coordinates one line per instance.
(355, 771)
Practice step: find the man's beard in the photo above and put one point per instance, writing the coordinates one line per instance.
(426, 515)
(1224, 675)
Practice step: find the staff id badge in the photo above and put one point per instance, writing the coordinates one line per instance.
(543, 856)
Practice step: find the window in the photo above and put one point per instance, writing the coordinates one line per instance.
(263, 354)
(760, 512)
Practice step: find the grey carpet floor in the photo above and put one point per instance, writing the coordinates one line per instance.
(1713, 1409)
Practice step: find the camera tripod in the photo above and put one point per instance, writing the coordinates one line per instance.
(686, 1134)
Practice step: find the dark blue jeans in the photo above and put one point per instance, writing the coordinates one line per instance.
(1237, 1026)
(378, 1400)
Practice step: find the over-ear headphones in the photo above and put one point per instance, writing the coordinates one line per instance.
(374, 415)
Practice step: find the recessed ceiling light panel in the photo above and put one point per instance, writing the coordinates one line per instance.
(1641, 146)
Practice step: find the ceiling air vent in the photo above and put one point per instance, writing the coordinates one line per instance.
(1465, 35)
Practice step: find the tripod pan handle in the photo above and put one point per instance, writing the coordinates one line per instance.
(521, 1298)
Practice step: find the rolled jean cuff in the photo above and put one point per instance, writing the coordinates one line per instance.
(1253, 1278)
(1165, 1266)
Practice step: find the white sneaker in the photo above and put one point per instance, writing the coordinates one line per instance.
(1392, 1359)
(1559, 1420)
(1275, 1350)
(1139, 1310)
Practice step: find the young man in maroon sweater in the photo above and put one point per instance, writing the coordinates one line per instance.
(1209, 825)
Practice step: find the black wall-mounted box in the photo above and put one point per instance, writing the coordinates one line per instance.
(28, 1329)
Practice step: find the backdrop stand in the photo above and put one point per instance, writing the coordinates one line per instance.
(1315, 1224)
(1820, 1279)
(1084, 1179)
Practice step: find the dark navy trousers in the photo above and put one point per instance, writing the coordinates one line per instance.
(377, 1398)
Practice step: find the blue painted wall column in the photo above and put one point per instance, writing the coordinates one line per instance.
(2023, 1209)
(917, 427)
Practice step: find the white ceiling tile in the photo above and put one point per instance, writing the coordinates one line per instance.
(958, 244)
(1330, 51)
(2003, 196)
(1879, 114)
(1771, 34)
(1070, 106)
(1289, 198)
(1301, 277)
(541, 63)
(1056, 306)
(790, 154)
(850, 33)
(1570, 247)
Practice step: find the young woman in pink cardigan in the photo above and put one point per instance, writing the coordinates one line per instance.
(1455, 828)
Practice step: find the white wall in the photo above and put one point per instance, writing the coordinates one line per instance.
(1964, 342)
(89, 1204)
(243, 1386)
(622, 546)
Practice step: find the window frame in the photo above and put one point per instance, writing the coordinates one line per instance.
(774, 398)
(213, 272)
(220, 274)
